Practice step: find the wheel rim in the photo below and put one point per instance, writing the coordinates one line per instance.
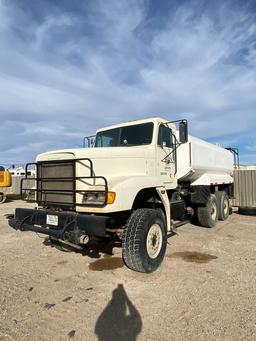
(154, 241)
(214, 211)
(225, 206)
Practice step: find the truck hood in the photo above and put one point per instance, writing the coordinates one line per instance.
(113, 163)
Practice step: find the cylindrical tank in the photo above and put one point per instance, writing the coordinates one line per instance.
(198, 157)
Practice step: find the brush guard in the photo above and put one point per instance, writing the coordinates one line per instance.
(41, 193)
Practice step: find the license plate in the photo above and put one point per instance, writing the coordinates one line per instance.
(52, 219)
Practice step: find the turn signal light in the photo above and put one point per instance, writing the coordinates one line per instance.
(111, 197)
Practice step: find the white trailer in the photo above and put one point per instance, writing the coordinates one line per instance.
(138, 182)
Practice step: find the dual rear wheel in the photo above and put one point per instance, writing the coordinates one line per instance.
(217, 208)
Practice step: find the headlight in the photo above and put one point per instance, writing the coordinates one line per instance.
(98, 198)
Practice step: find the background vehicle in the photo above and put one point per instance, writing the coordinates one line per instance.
(5, 183)
(10, 182)
(140, 180)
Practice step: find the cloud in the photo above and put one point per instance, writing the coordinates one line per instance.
(66, 70)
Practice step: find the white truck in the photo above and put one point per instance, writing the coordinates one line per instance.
(139, 181)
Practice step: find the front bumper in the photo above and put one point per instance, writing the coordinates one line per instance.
(69, 226)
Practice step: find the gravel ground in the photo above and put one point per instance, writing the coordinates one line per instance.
(204, 290)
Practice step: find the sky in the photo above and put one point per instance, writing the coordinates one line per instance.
(70, 67)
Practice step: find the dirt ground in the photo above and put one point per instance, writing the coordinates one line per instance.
(204, 290)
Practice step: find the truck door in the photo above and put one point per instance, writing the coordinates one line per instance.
(166, 156)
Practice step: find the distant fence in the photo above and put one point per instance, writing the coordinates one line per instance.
(244, 188)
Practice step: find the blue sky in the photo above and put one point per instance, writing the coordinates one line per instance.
(70, 67)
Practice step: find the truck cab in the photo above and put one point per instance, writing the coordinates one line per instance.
(135, 155)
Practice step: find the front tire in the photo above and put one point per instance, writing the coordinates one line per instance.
(208, 215)
(144, 240)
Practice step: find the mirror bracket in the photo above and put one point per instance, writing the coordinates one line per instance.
(183, 129)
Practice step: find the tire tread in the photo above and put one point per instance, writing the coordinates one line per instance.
(204, 214)
(132, 237)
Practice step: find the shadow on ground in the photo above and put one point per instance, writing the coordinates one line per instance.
(93, 249)
(120, 320)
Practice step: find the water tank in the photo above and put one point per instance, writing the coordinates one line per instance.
(198, 157)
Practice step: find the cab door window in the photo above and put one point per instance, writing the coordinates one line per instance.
(165, 137)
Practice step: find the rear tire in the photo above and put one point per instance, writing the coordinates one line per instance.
(2, 198)
(223, 205)
(208, 215)
(144, 240)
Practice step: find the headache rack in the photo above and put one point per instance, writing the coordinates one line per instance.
(56, 184)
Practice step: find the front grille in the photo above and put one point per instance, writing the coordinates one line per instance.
(55, 183)
(58, 186)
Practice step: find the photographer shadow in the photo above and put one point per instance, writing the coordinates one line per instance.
(120, 320)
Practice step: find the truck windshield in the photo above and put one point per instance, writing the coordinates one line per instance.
(134, 135)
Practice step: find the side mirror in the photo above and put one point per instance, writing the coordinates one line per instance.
(183, 131)
(89, 140)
